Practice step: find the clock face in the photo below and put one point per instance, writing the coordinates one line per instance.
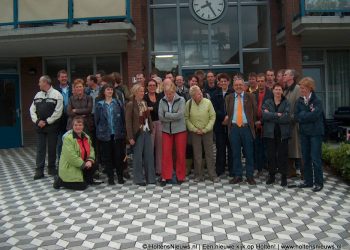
(208, 10)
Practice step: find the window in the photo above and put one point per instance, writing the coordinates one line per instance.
(255, 30)
(81, 66)
(255, 62)
(225, 49)
(194, 40)
(164, 29)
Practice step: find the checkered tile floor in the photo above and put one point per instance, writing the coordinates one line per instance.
(35, 216)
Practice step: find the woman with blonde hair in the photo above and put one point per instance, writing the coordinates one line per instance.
(138, 131)
(309, 114)
(171, 114)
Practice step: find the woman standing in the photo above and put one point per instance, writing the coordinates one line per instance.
(110, 131)
(139, 128)
(80, 104)
(276, 120)
(309, 114)
(200, 119)
(152, 99)
(171, 114)
(76, 165)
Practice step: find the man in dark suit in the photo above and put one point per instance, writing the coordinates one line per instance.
(261, 95)
(240, 119)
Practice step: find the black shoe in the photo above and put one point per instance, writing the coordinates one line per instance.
(251, 181)
(162, 183)
(179, 182)
(121, 180)
(51, 171)
(304, 185)
(57, 182)
(317, 188)
(142, 184)
(126, 175)
(284, 181)
(111, 181)
(236, 180)
(38, 175)
(270, 180)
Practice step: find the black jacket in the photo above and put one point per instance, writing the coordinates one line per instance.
(218, 101)
(271, 119)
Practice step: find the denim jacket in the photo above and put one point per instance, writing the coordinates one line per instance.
(103, 129)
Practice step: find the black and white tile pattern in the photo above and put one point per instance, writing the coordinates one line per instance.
(33, 215)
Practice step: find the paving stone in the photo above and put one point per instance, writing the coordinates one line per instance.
(33, 215)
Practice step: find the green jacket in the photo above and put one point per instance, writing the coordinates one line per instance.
(71, 164)
(201, 116)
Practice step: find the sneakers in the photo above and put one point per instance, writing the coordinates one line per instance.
(38, 175)
(236, 180)
(215, 179)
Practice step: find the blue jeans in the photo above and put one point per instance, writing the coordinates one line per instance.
(242, 137)
(311, 147)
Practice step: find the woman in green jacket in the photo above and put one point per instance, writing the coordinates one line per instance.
(76, 166)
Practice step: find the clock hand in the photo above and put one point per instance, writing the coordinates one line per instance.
(212, 9)
(205, 5)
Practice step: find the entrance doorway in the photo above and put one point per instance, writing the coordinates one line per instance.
(10, 112)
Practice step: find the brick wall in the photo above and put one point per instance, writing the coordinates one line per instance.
(293, 43)
(136, 59)
(278, 52)
(29, 87)
(288, 55)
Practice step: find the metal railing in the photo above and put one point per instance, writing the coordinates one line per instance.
(47, 12)
(324, 7)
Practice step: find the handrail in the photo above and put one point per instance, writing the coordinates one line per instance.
(323, 6)
(17, 15)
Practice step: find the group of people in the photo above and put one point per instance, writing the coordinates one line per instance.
(276, 122)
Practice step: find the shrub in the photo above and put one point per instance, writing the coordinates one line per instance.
(338, 158)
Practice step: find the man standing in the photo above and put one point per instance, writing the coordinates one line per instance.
(181, 89)
(261, 96)
(45, 112)
(92, 89)
(220, 129)
(66, 91)
(169, 75)
(140, 79)
(241, 116)
(270, 78)
(253, 85)
(99, 76)
(210, 86)
(292, 94)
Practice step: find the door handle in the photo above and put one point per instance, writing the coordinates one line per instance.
(18, 112)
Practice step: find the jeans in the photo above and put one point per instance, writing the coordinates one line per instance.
(311, 148)
(242, 137)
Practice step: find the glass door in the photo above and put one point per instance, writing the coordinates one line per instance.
(10, 113)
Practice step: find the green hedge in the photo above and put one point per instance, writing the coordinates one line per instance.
(337, 158)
